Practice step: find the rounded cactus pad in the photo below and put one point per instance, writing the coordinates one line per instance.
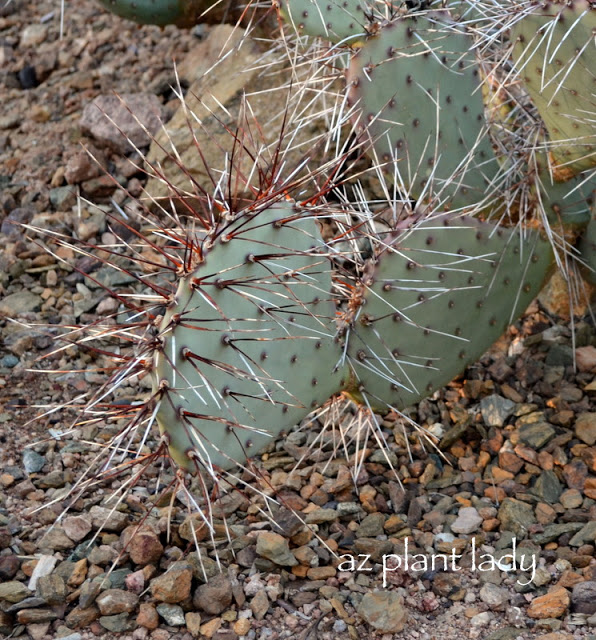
(417, 90)
(182, 13)
(247, 346)
(554, 52)
(339, 21)
(439, 296)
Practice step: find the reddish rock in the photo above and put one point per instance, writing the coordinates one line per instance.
(174, 585)
(148, 616)
(553, 604)
(143, 546)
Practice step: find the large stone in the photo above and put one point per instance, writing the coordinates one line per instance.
(384, 611)
(122, 122)
(13, 591)
(216, 101)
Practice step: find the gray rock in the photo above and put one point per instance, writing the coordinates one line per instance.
(495, 410)
(13, 591)
(117, 623)
(371, 526)
(553, 531)
(108, 520)
(516, 516)
(63, 198)
(173, 614)
(136, 115)
(495, 597)
(56, 540)
(52, 589)
(583, 598)
(321, 515)
(21, 302)
(586, 535)
(536, 434)
(548, 487)
(468, 520)
(32, 461)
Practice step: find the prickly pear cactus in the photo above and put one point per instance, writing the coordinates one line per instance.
(247, 345)
(182, 13)
(554, 53)
(416, 86)
(339, 21)
(440, 295)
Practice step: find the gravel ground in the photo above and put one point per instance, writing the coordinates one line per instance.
(517, 432)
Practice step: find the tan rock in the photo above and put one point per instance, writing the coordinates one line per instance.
(384, 611)
(553, 604)
(193, 623)
(209, 628)
(174, 585)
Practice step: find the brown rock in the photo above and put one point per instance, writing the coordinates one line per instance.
(193, 623)
(585, 358)
(143, 546)
(575, 474)
(585, 427)
(321, 573)
(215, 596)
(79, 618)
(553, 604)
(76, 527)
(174, 585)
(113, 601)
(35, 616)
(590, 488)
(148, 616)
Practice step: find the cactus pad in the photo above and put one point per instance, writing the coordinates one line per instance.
(440, 295)
(417, 87)
(339, 21)
(247, 345)
(554, 53)
(182, 13)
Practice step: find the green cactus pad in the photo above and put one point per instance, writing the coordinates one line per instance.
(587, 251)
(182, 13)
(339, 21)
(554, 52)
(418, 91)
(247, 345)
(571, 202)
(439, 297)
